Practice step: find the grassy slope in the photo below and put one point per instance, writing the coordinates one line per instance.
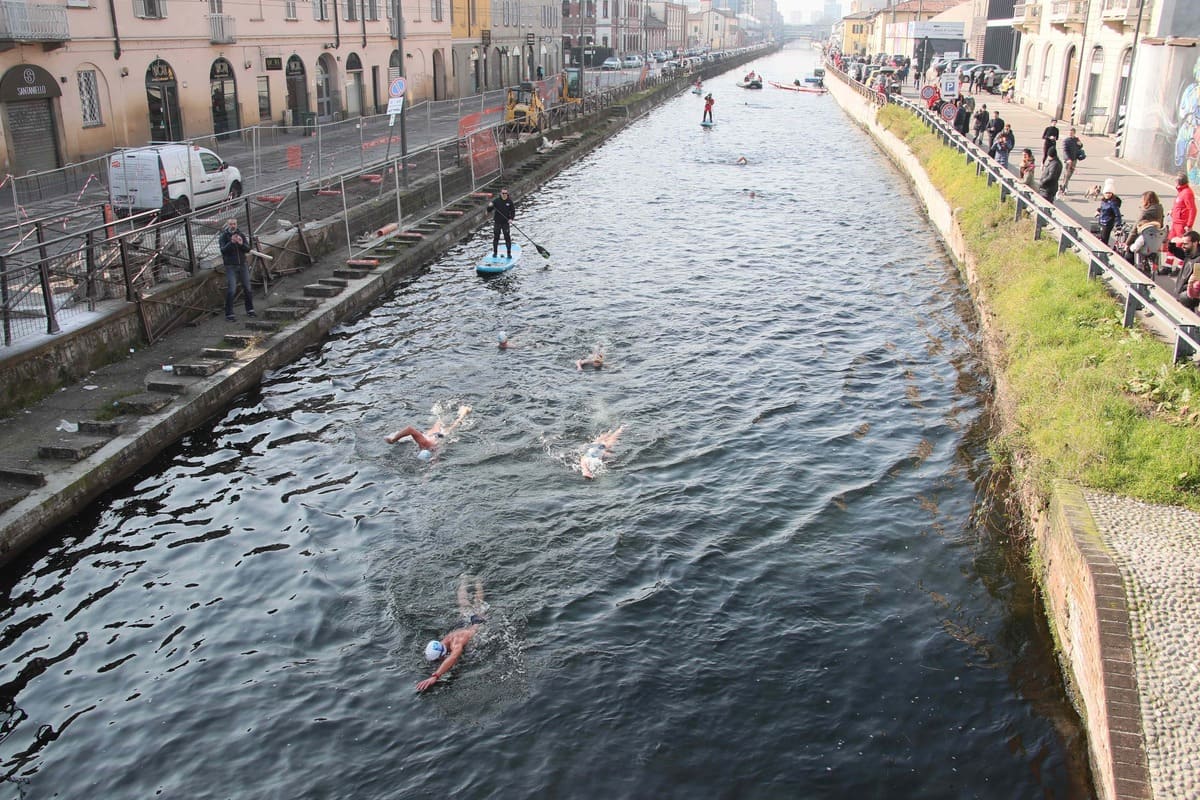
(1095, 404)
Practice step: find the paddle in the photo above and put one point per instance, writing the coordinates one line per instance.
(543, 252)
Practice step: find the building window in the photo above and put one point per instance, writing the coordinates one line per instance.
(352, 10)
(264, 98)
(150, 9)
(320, 10)
(89, 98)
(289, 9)
(436, 12)
(371, 10)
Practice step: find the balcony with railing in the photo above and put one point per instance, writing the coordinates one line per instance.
(32, 22)
(1121, 14)
(1066, 14)
(220, 29)
(1027, 16)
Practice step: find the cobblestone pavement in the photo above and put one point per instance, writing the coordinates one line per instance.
(1157, 549)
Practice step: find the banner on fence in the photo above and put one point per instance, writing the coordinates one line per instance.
(482, 150)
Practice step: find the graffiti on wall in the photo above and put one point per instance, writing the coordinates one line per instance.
(1187, 136)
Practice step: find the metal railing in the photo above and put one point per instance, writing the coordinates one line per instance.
(221, 29)
(33, 22)
(1137, 291)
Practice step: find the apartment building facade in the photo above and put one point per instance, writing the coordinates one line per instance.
(83, 78)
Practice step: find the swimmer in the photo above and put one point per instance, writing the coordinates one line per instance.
(451, 646)
(595, 359)
(600, 449)
(742, 161)
(430, 440)
(502, 341)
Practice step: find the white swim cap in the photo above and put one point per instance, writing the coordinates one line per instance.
(425, 455)
(501, 337)
(434, 650)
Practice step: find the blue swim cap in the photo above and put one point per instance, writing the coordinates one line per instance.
(434, 650)
(425, 455)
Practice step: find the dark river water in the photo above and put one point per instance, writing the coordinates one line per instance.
(780, 586)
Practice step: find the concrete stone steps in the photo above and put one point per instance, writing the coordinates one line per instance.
(308, 303)
(160, 382)
(350, 274)
(321, 290)
(263, 325)
(242, 340)
(109, 427)
(224, 353)
(337, 283)
(22, 476)
(75, 448)
(285, 313)
(200, 368)
(143, 403)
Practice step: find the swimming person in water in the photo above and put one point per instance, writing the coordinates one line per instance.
(449, 648)
(502, 341)
(600, 449)
(595, 359)
(430, 440)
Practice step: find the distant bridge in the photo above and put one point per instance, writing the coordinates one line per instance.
(794, 32)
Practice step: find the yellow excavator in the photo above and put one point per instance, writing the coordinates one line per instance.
(569, 88)
(524, 109)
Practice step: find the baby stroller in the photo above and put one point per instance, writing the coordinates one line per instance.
(1146, 248)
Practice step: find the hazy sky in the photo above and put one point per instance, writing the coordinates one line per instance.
(805, 7)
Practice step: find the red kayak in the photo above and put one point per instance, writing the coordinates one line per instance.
(793, 88)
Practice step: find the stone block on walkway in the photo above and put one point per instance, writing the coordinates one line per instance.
(25, 476)
(158, 382)
(285, 313)
(350, 274)
(321, 290)
(143, 403)
(74, 448)
(301, 302)
(11, 495)
(200, 368)
(95, 427)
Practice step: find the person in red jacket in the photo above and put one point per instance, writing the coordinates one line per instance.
(1183, 215)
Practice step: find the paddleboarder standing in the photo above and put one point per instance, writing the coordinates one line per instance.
(503, 212)
(708, 104)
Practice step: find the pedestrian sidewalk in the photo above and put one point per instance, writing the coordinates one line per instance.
(1130, 179)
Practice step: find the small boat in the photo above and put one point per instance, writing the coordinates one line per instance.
(791, 87)
(754, 84)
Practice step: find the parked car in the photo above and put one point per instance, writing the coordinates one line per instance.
(612, 62)
(631, 62)
(966, 72)
(172, 178)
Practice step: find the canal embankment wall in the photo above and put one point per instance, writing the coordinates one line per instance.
(1082, 591)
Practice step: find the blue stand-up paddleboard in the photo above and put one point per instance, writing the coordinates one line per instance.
(707, 124)
(494, 265)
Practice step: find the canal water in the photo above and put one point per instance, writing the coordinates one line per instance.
(782, 585)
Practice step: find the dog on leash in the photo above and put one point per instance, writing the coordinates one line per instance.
(1093, 193)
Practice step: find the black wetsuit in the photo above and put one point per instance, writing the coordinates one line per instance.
(503, 212)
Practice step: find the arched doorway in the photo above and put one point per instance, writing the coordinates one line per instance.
(326, 93)
(439, 75)
(1093, 85)
(162, 99)
(28, 93)
(498, 60)
(354, 86)
(297, 89)
(222, 86)
(1066, 102)
(1122, 87)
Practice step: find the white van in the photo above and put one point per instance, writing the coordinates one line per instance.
(172, 178)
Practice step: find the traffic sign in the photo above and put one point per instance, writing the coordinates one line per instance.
(949, 112)
(396, 87)
(395, 105)
(927, 92)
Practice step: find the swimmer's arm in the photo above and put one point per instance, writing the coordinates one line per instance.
(442, 669)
